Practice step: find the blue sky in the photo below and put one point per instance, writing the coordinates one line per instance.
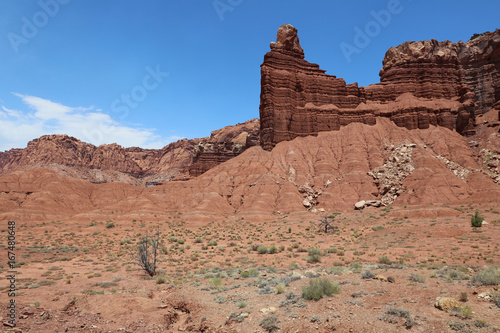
(148, 72)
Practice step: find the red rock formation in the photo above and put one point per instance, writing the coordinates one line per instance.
(422, 84)
(223, 145)
(107, 163)
(334, 169)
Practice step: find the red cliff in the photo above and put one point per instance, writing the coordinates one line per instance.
(422, 84)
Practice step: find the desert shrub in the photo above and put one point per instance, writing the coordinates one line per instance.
(146, 253)
(273, 249)
(415, 277)
(466, 312)
(198, 240)
(110, 225)
(456, 326)
(270, 324)
(125, 241)
(463, 297)
(477, 220)
(401, 313)
(220, 299)
(217, 284)
(314, 255)
(496, 299)
(280, 288)
(161, 279)
(367, 275)
(384, 260)
(487, 277)
(315, 319)
(251, 273)
(318, 288)
(262, 249)
(456, 275)
(480, 323)
(398, 312)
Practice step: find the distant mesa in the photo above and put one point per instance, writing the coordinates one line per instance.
(421, 84)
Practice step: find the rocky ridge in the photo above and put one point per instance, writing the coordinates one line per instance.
(107, 163)
(421, 84)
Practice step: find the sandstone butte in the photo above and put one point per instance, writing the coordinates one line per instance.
(427, 133)
(421, 84)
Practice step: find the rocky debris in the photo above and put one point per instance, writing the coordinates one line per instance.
(490, 293)
(360, 204)
(421, 84)
(367, 203)
(383, 278)
(389, 177)
(456, 168)
(446, 304)
(270, 309)
(491, 162)
(310, 195)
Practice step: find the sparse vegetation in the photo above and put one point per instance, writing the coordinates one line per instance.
(415, 277)
(146, 253)
(270, 323)
(489, 276)
(318, 288)
(476, 220)
(314, 256)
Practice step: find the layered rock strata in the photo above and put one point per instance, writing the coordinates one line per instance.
(220, 148)
(146, 167)
(422, 83)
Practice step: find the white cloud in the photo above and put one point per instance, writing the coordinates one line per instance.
(85, 123)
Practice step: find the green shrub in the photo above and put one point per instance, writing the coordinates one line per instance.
(487, 277)
(280, 288)
(367, 275)
(262, 249)
(384, 260)
(417, 278)
(477, 220)
(314, 255)
(110, 225)
(270, 324)
(273, 249)
(125, 241)
(161, 279)
(455, 325)
(318, 288)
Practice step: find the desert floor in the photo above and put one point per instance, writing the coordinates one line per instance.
(390, 264)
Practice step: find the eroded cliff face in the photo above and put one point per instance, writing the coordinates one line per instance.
(422, 83)
(108, 163)
(222, 145)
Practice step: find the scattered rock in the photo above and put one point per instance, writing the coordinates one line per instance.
(360, 204)
(389, 177)
(270, 309)
(446, 304)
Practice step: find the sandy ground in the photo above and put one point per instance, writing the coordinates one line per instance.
(79, 276)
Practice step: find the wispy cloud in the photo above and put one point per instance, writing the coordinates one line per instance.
(88, 124)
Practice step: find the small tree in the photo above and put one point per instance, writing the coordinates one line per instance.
(325, 224)
(477, 220)
(146, 253)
